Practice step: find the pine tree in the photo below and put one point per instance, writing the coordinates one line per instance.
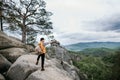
(4, 7)
(29, 17)
(1, 27)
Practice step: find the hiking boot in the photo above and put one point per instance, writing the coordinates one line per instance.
(37, 63)
(43, 69)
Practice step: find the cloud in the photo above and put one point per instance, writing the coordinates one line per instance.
(113, 23)
(88, 36)
(85, 20)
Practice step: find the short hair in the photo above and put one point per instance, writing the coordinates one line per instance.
(42, 39)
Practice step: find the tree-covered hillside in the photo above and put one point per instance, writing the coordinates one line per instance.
(98, 51)
(99, 64)
(85, 45)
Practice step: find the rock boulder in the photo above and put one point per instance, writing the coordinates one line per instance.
(60, 53)
(8, 42)
(4, 64)
(27, 70)
(2, 77)
(13, 53)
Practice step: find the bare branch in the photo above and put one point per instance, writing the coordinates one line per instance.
(31, 13)
(28, 7)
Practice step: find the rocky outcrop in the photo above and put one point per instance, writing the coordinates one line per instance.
(49, 74)
(30, 48)
(11, 48)
(55, 43)
(4, 64)
(27, 70)
(8, 42)
(13, 53)
(71, 69)
(60, 53)
(2, 77)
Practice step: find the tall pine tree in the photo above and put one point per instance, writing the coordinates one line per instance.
(4, 7)
(29, 17)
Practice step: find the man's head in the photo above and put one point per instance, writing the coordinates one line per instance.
(42, 39)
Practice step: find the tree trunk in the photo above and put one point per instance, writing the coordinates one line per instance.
(24, 32)
(23, 35)
(1, 24)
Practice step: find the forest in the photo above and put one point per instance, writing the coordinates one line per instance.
(99, 63)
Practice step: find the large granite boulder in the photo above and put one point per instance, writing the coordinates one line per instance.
(8, 42)
(13, 53)
(25, 69)
(2, 77)
(51, 73)
(60, 53)
(30, 48)
(4, 64)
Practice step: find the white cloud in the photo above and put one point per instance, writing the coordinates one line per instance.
(74, 20)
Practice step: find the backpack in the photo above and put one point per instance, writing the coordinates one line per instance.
(37, 49)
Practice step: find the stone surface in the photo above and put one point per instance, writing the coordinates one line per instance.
(59, 53)
(27, 70)
(4, 64)
(30, 48)
(8, 42)
(2, 77)
(24, 66)
(13, 53)
(51, 73)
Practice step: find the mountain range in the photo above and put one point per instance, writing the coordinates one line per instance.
(86, 45)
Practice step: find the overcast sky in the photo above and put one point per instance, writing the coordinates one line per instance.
(85, 20)
(77, 21)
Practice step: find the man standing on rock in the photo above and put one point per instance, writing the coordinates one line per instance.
(42, 53)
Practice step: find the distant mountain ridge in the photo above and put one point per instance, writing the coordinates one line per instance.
(85, 45)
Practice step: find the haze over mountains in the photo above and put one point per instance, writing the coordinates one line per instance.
(85, 45)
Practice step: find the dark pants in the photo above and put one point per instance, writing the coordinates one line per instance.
(42, 59)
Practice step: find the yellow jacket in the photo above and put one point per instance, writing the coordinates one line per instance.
(42, 47)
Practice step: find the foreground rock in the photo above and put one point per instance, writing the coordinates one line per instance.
(13, 53)
(27, 70)
(2, 77)
(30, 48)
(60, 53)
(4, 64)
(8, 42)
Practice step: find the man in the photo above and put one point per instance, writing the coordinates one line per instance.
(42, 53)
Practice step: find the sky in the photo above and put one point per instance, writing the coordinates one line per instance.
(77, 21)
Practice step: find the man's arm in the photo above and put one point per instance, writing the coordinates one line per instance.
(48, 42)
